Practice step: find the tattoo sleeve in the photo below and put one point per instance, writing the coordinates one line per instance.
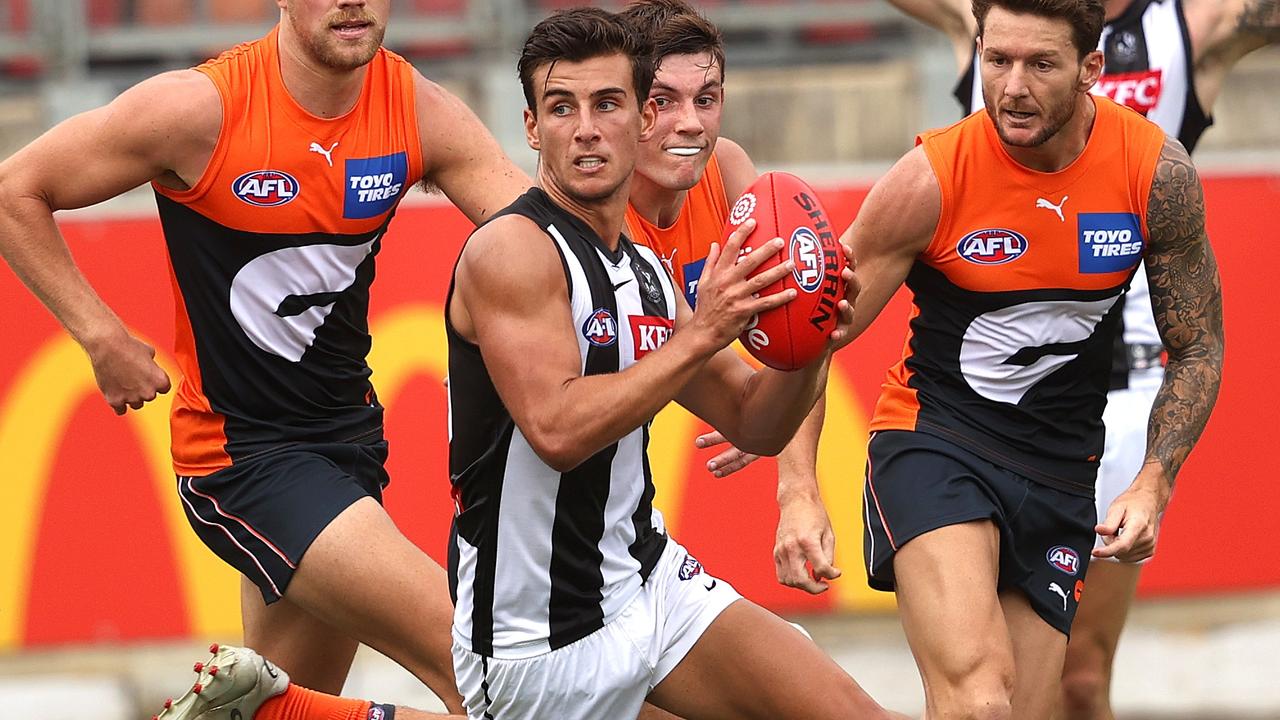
(1186, 297)
(1260, 18)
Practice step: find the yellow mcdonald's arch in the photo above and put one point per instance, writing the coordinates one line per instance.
(33, 421)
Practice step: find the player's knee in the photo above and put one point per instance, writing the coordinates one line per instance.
(982, 691)
(1084, 693)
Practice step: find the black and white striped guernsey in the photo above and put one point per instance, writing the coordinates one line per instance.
(538, 558)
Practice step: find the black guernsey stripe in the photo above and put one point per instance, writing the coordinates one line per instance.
(576, 579)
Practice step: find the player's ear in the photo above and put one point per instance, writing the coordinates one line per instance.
(648, 119)
(1090, 69)
(531, 130)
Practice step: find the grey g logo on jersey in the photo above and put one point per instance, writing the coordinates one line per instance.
(1007, 351)
(281, 298)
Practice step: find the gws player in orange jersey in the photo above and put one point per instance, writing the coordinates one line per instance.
(572, 602)
(276, 168)
(1168, 60)
(986, 439)
(686, 176)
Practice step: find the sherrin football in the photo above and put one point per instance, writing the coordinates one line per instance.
(794, 335)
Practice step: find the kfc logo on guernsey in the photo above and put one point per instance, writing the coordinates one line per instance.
(993, 246)
(373, 185)
(1109, 242)
(1137, 90)
(1064, 558)
(600, 329)
(266, 188)
(649, 333)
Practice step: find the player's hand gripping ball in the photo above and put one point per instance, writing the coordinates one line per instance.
(794, 335)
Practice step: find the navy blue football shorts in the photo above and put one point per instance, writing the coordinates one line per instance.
(260, 515)
(917, 483)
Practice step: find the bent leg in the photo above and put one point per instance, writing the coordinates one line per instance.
(1038, 649)
(364, 579)
(753, 664)
(315, 654)
(946, 589)
(1104, 606)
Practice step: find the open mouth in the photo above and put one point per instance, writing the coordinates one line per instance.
(589, 162)
(683, 151)
(1019, 115)
(350, 29)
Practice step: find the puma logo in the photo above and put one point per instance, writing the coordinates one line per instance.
(1056, 589)
(328, 154)
(1057, 209)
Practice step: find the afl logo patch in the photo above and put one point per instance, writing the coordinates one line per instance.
(600, 329)
(1064, 558)
(742, 209)
(993, 246)
(266, 188)
(806, 253)
(689, 567)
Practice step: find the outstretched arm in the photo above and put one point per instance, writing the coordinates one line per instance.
(1223, 32)
(461, 157)
(1186, 296)
(952, 18)
(163, 129)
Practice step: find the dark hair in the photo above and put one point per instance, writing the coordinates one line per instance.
(1085, 16)
(675, 29)
(583, 33)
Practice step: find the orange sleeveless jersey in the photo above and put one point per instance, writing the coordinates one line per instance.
(1015, 299)
(272, 254)
(683, 247)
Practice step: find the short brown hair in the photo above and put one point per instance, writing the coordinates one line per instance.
(1086, 17)
(675, 28)
(583, 33)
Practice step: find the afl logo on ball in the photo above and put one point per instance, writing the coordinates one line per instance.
(806, 253)
(742, 209)
(993, 246)
(1064, 559)
(600, 329)
(266, 188)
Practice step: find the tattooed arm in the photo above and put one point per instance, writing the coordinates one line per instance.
(1222, 32)
(1186, 297)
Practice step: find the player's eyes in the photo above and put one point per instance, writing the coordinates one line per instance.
(561, 110)
(706, 101)
(662, 102)
(607, 105)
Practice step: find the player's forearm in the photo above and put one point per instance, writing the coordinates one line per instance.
(774, 405)
(32, 246)
(798, 461)
(591, 412)
(1182, 407)
(1260, 19)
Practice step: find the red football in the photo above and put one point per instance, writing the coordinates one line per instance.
(794, 335)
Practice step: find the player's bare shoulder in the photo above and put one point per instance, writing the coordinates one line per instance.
(508, 262)
(903, 208)
(736, 168)
(459, 155)
(185, 110)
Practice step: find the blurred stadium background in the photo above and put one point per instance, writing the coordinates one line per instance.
(106, 597)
